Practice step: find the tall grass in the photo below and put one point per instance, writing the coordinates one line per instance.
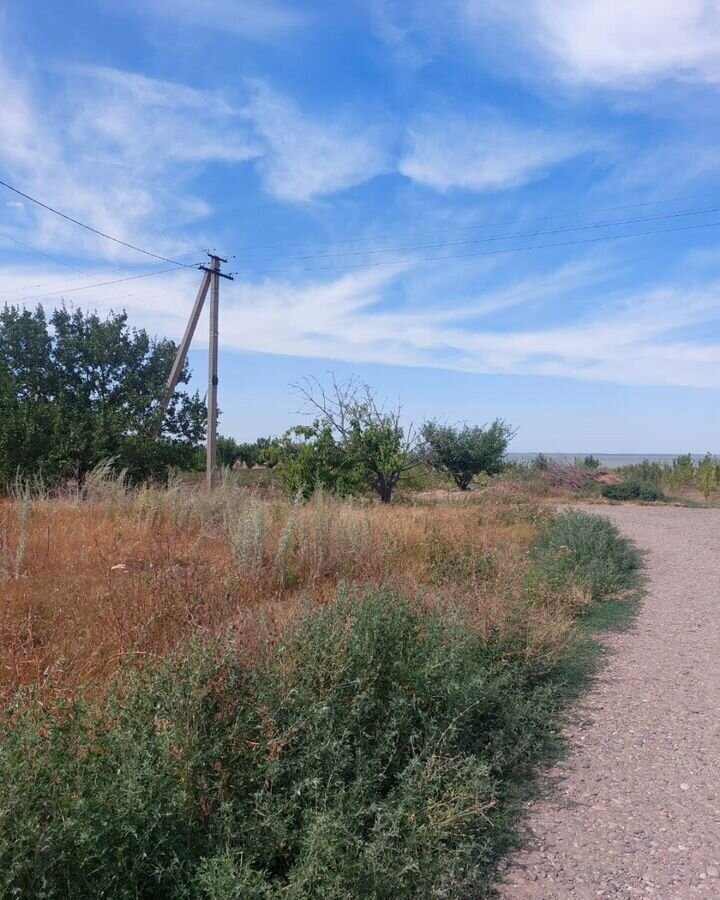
(375, 752)
(232, 695)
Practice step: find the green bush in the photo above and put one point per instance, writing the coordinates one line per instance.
(645, 471)
(633, 490)
(587, 551)
(373, 755)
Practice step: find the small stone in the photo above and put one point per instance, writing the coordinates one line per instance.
(684, 787)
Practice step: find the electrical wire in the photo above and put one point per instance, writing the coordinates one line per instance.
(87, 227)
(502, 224)
(99, 284)
(425, 259)
(32, 287)
(496, 237)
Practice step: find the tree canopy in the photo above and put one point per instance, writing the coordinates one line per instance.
(76, 389)
(468, 451)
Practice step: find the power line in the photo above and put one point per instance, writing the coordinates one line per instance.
(87, 227)
(496, 237)
(424, 259)
(123, 268)
(502, 224)
(87, 287)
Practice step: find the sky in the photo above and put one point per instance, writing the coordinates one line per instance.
(482, 208)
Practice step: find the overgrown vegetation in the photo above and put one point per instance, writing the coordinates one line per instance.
(228, 695)
(679, 477)
(587, 551)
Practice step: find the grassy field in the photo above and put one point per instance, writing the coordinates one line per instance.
(234, 695)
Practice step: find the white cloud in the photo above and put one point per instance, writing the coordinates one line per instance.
(659, 336)
(608, 42)
(482, 153)
(632, 341)
(117, 150)
(146, 124)
(306, 157)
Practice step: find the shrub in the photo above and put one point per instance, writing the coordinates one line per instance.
(588, 551)
(591, 463)
(646, 471)
(707, 475)
(466, 452)
(633, 490)
(373, 755)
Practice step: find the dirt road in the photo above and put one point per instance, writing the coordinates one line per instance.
(636, 812)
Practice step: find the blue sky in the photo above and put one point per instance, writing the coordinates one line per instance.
(417, 192)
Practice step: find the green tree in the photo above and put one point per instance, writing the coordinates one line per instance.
(353, 444)
(76, 389)
(466, 452)
(707, 475)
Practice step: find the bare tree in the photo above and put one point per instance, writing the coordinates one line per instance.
(368, 432)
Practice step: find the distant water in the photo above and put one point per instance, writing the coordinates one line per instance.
(607, 460)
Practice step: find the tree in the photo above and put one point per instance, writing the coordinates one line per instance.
(468, 451)
(707, 475)
(353, 443)
(76, 389)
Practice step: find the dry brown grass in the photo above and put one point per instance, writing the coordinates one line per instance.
(90, 581)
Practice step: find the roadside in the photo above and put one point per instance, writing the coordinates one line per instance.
(635, 810)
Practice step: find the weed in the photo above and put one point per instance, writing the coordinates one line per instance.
(587, 551)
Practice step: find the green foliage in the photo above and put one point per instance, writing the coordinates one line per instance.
(310, 457)
(683, 470)
(645, 491)
(588, 551)
(352, 446)
(259, 452)
(646, 471)
(468, 451)
(372, 757)
(707, 475)
(75, 389)
(591, 463)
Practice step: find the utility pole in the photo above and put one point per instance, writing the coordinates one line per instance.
(211, 280)
(211, 460)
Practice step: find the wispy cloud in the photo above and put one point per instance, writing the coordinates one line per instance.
(657, 336)
(619, 45)
(639, 339)
(307, 157)
(115, 149)
(482, 153)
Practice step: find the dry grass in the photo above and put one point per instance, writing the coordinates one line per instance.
(95, 578)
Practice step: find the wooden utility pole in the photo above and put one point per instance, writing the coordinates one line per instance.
(211, 280)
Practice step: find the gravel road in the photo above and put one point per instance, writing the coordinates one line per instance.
(636, 810)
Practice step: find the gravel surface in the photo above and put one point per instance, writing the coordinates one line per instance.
(635, 810)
